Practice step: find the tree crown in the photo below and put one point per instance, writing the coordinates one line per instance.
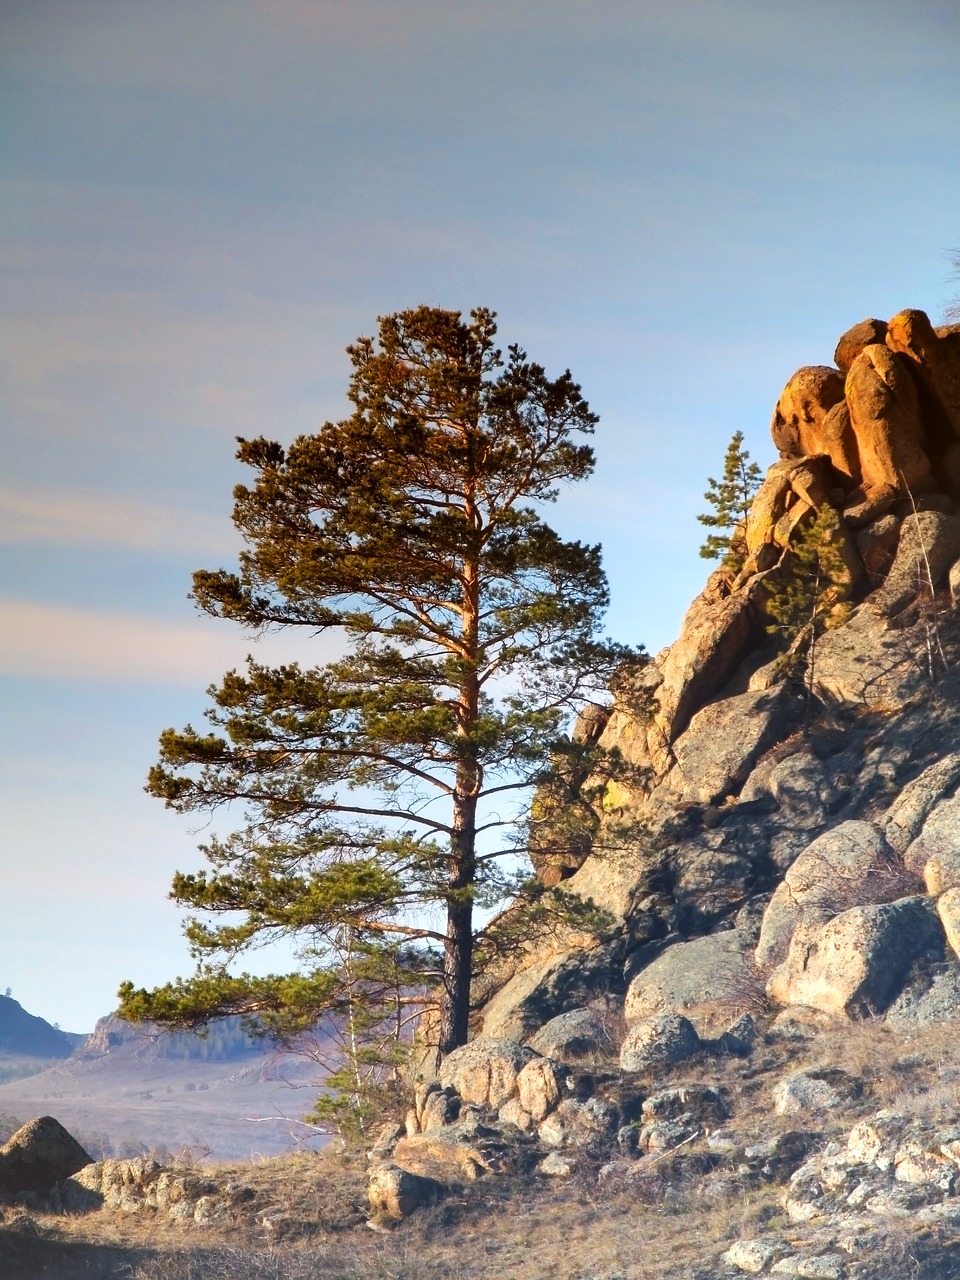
(393, 780)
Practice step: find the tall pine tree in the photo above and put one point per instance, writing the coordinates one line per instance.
(393, 781)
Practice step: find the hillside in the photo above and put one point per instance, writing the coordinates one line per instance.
(749, 1066)
(127, 1089)
(28, 1036)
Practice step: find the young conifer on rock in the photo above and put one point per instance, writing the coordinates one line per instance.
(809, 593)
(730, 499)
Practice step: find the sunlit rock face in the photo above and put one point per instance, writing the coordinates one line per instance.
(757, 757)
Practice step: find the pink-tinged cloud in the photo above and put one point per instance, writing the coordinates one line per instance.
(56, 642)
(60, 518)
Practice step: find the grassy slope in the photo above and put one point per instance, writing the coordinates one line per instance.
(310, 1219)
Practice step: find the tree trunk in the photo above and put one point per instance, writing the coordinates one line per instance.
(458, 948)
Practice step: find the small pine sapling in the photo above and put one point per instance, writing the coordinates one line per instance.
(730, 499)
(809, 596)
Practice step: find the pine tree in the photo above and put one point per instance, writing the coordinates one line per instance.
(809, 594)
(393, 781)
(730, 499)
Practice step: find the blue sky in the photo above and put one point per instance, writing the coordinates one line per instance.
(201, 203)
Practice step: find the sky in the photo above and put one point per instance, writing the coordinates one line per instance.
(203, 201)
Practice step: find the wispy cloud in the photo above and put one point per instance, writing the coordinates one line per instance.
(60, 518)
(58, 642)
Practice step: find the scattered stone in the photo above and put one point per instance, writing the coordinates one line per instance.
(556, 1165)
(661, 1040)
(754, 1256)
(780, 1155)
(824, 1266)
(800, 1023)
(668, 1135)
(701, 1101)
(814, 1092)
(395, 1193)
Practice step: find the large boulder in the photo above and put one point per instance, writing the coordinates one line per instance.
(929, 545)
(702, 979)
(948, 909)
(39, 1155)
(885, 417)
(806, 400)
(877, 544)
(554, 981)
(724, 740)
(855, 963)
(769, 504)
(867, 662)
(395, 1193)
(849, 865)
(935, 854)
(790, 491)
(797, 783)
(485, 1071)
(580, 1035)
(861, 335)
(659, 1041)
(809, 1092)
(714, 637)
(935, 361)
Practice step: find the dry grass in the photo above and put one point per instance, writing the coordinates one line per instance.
(307, 1220)
(498, 1228)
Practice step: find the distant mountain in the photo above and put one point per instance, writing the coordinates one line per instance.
(132, 1088)
(225, 1040)
(25, 1034)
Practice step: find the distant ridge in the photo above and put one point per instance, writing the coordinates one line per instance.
(24, 1033)
(224, 1040)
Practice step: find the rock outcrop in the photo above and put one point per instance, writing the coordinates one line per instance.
(796, 821)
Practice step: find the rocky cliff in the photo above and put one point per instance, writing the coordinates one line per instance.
(798, 830)
(784, 864)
